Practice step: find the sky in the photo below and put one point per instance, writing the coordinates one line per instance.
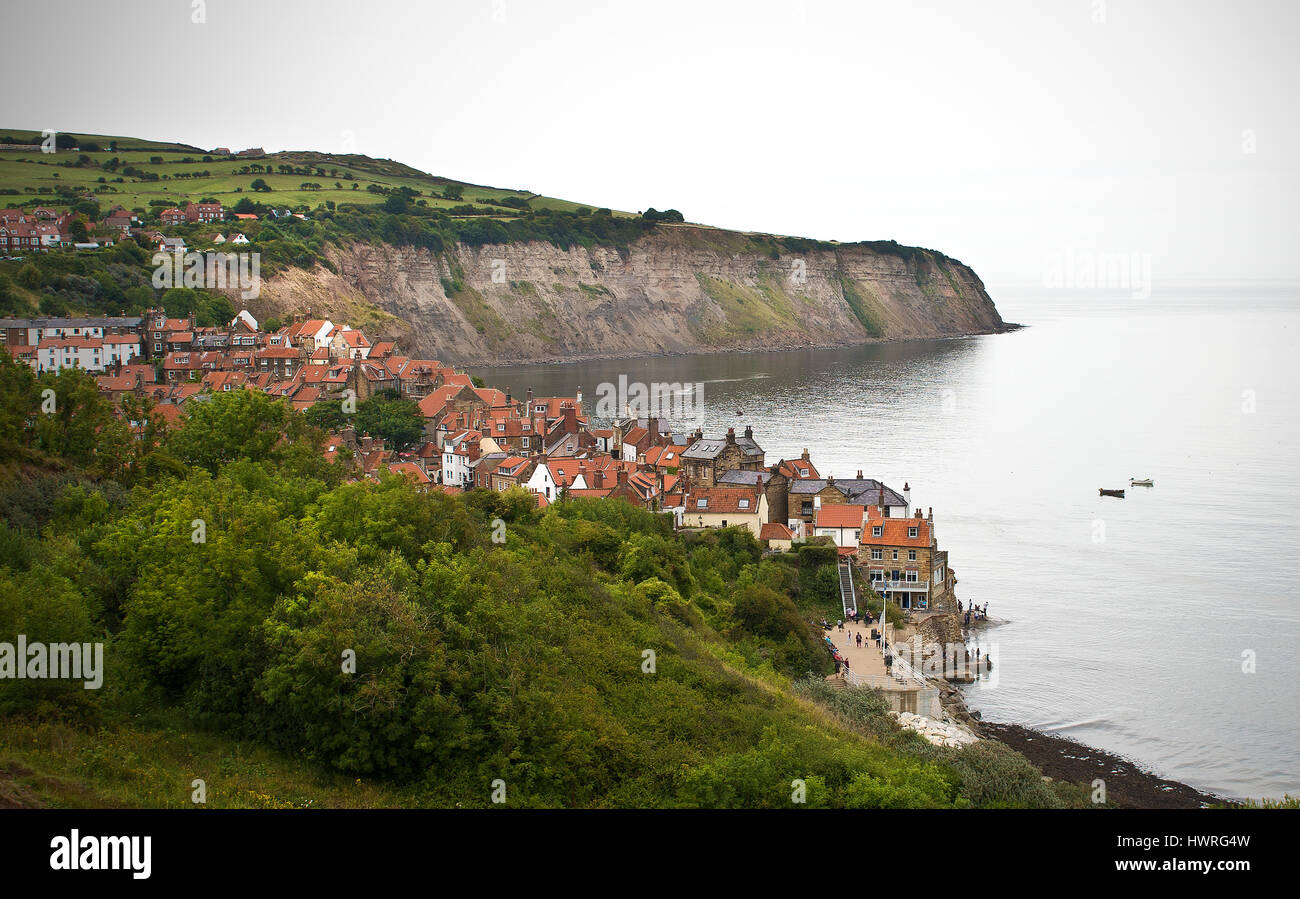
(1016, 136)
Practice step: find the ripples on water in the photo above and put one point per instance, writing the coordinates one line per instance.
(1128, 620)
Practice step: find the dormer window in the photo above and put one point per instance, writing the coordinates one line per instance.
(744, 504)
(876, 531)
(701, 504)
(911, 532)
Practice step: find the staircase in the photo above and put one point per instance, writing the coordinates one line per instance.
(848, 598)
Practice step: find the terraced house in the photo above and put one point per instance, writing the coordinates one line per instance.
(704, 461)
(899, 555)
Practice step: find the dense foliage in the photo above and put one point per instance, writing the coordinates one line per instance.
(585, 654)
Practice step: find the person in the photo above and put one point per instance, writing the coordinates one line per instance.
(986, 610)
(859, 639)
(839, 622)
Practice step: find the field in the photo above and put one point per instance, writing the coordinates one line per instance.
(188, 173)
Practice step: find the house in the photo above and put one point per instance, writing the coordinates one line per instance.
(458, 452)
(898, 555)
(721, 507)
(204, 212)
(238, 240)
(705, 460)
(310, 334)
(805, 495)
(172, 216)
(349, 343)
(798, 468)
(280, 361)
(413, 473)
(840, 521)
(777, 536)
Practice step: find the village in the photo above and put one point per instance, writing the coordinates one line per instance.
(478, 436)
(475, 436)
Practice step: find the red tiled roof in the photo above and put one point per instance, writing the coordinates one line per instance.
(774, 530)
(894, 532)
(838, 515)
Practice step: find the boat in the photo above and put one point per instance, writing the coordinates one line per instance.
(1141, 482)
(1104, 492)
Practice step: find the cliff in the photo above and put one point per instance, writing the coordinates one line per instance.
(680, 289)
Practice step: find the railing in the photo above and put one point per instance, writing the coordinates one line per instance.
(877, 681)
(848, 598)
(900, 585)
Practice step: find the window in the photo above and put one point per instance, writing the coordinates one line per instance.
(876, 531)
(744, 504)
(701, 504)
(911, 577)
(911, 532)
(877, 554)
(911, 555)
(895, 555)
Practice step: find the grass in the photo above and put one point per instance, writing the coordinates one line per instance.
(53, 765)
(37, 176)
(747, 310)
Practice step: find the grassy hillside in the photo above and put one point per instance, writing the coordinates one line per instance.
(332, 643)
(189, 173)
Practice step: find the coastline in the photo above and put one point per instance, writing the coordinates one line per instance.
(576, 358)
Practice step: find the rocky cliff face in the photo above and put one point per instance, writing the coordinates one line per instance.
(681, 289)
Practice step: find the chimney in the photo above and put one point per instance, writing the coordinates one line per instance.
(805, 454)
(570, 418)
(530, 396)
(507, 396)
(731, 435)
(578, 397)
(859, 474)
(749, 431)
(907, 494)
(622, 475)
(830, 480)
(598, 479)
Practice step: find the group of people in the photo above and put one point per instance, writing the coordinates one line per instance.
(974, 612)
(867, 618)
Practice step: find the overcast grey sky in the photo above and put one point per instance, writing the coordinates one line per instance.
(1003, 132)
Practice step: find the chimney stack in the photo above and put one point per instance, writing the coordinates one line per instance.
(859, 474)
(907, 494)
(731, 435)
(530, 395)
(805, 454)
(749, 431)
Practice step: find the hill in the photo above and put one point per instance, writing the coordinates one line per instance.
(323, 633)
(478, 275)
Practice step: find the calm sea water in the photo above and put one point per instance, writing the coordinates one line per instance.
(1164, 626)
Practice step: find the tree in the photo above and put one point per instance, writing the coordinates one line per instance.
(396, 420)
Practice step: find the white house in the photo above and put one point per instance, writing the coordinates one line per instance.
(457, 453)
(840, 521)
